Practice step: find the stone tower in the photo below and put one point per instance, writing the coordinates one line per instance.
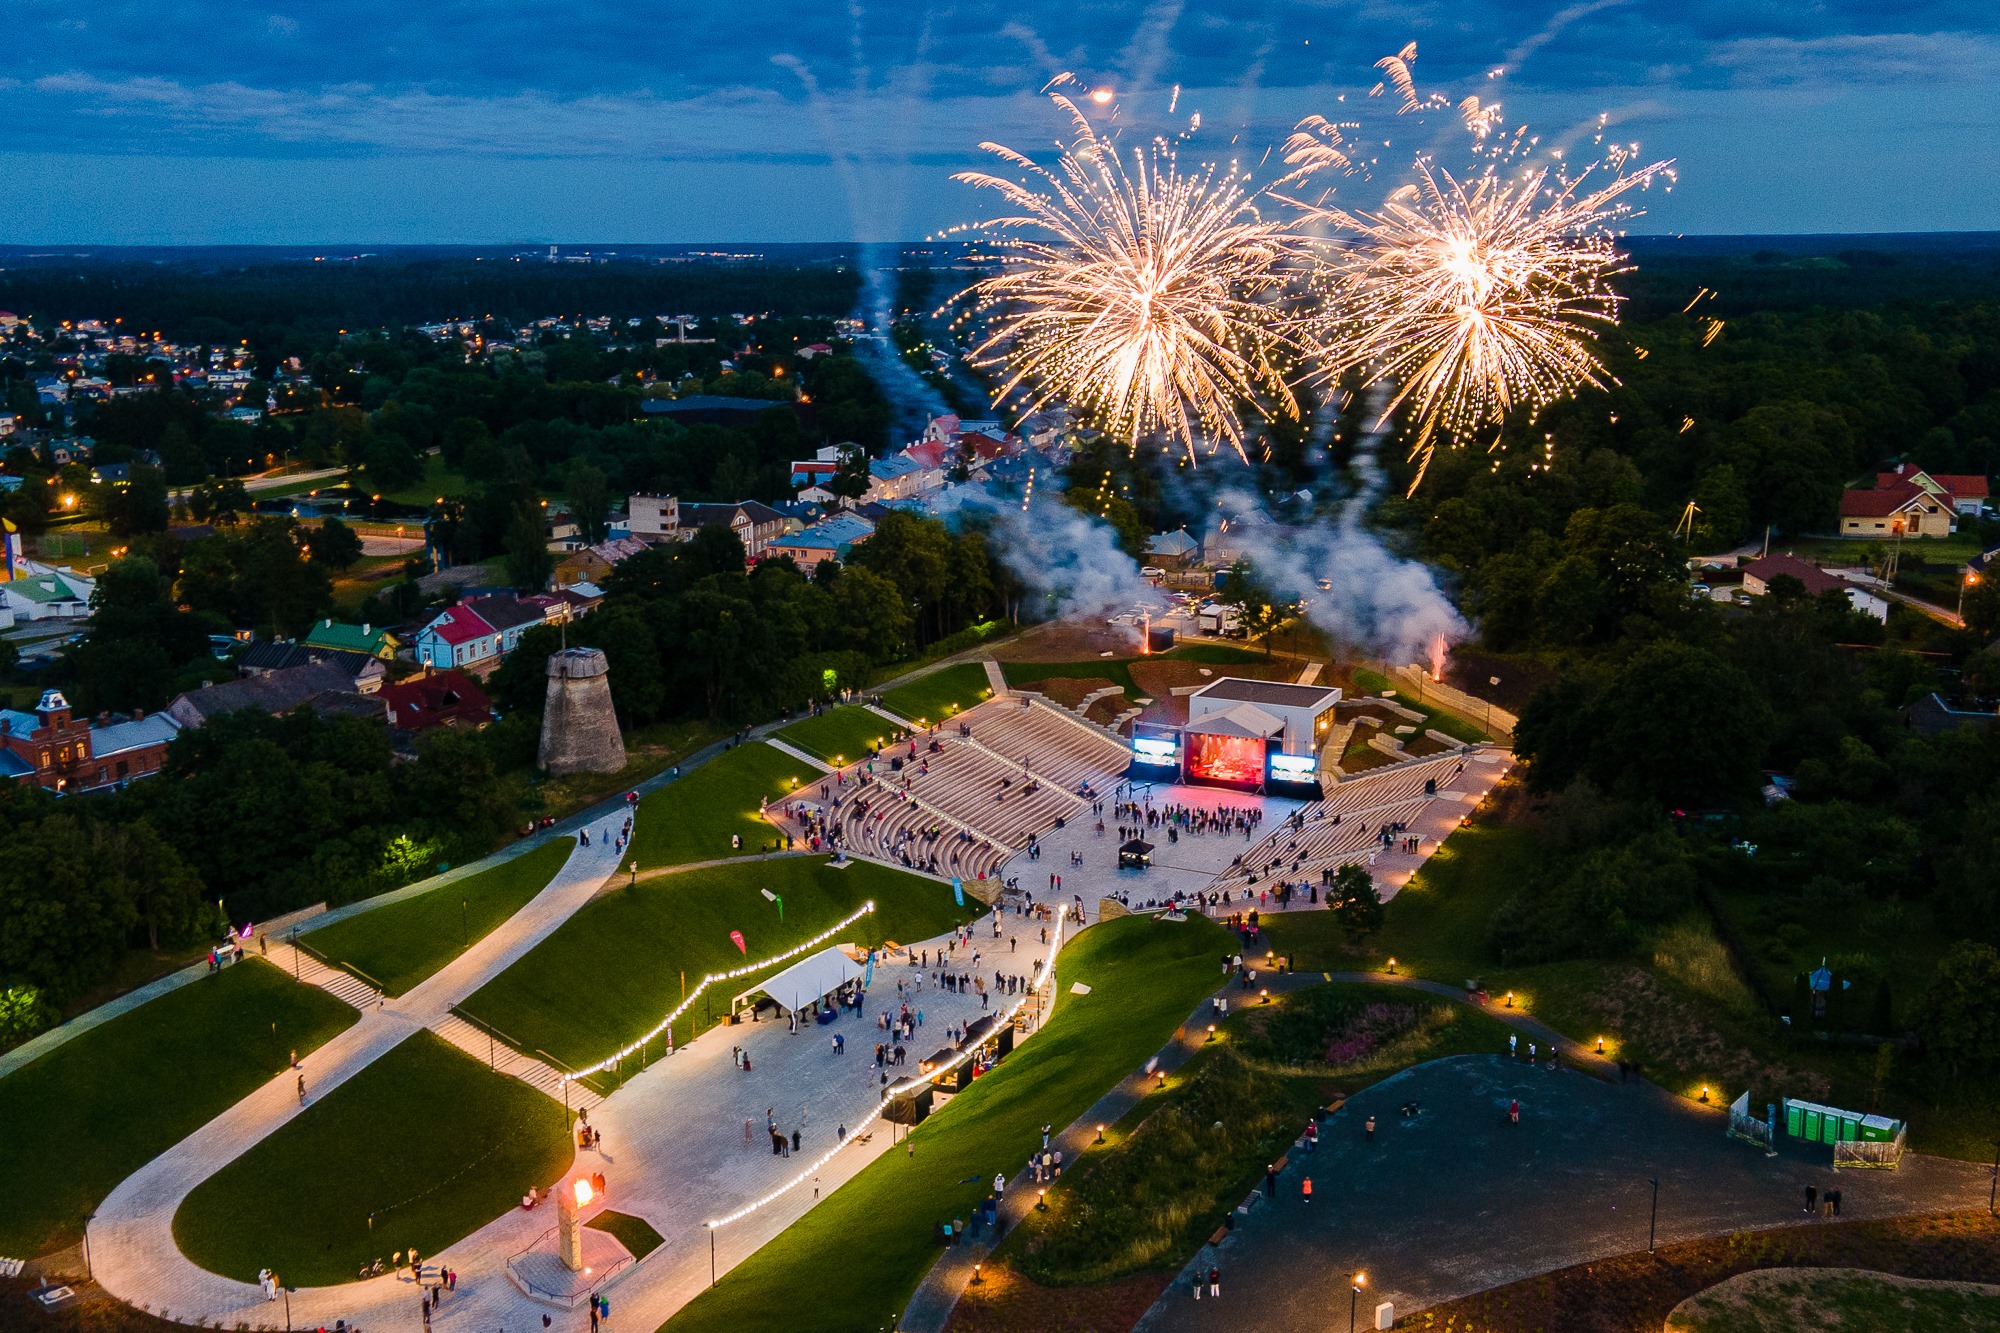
(579, 730)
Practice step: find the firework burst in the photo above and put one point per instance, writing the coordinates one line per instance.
(1142, 295)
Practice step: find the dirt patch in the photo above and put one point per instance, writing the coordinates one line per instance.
(1637, 1291)
(1106, 710)
(1069, 691)
(1068, 641)
(1006, 1302)
(1771, 1299)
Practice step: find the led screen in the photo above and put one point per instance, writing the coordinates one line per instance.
(1226, 758)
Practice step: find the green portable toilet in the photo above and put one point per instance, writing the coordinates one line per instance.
(1794, 1119)
(1878, 1129)
(1813, 1118)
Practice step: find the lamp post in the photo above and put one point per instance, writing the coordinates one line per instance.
(1653, 1221)
(288, 1310)
(1993, 1190)
(464, 923)
(1354, 1299)
(88, 1275)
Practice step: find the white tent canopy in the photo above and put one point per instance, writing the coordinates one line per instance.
(811, 978)
(1241, 720)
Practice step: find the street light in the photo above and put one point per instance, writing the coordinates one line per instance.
(1653, 1222)
(1354, 1300)
(1994, 1189)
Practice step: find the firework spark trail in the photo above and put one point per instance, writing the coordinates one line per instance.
(1137, 293)
(1475, 297)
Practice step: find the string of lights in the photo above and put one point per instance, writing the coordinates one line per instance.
(703, 985)
(1042, 975)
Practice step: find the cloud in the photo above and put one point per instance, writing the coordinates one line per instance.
(1859, 59)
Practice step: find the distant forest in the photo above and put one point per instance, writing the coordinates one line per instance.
(297, 308)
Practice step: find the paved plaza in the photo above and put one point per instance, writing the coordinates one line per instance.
(1456, 1200)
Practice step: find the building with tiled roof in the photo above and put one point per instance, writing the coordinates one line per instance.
(343, 637)
(829, 539)
(63, 754)
(1910, 503)
(437, 699)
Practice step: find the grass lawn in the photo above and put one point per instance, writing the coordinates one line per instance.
(97, 1108)
(692, 818)
(839, 735)
(862, 1251)
(632, 945)
(439, 480)
(402, 943)
(429, 1141)
(1451, 724)
(634, 1233)
(1116, 670)
(940, 694)
(1151, 1197)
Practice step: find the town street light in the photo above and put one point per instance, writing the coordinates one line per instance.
(1354, 1300)
(1653, 1222)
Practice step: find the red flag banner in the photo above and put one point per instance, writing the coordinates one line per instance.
(736, 938)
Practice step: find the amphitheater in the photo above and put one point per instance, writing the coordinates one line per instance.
(969, 797)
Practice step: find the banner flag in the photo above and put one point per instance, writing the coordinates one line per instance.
(736, 938)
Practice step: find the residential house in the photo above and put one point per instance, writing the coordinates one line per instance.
(479, 631)
(44, 592)
(898, 477)
(437, 699)
(829, 539)
(755, 523)
(364, 673)
(652, 518)
(1912, 504)
(1757, 576)
(56, 751)
(325, 687)
(1173, 549)
(338, 636)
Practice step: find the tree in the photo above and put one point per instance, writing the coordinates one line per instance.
(139, 506)
(1960, 1017)
(529, 562)
(1354, 902)
(1677, 724)
(589, 494)
(851, 479)
(333, 544)
(63, 918)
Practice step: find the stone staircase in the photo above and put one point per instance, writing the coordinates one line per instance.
(504, 1059)
(308, 970)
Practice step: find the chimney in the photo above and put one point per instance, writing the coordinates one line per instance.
(138, 713)
(366, 629)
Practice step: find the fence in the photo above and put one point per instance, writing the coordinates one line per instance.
(1746, 1126)
(537, 1264)
(1867, 1152)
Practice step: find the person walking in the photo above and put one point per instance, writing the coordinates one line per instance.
(1371, 1129)
(1306, 1189)
(1812, 1195)
(1270, 1182)
(1215, 1283)
(1514, 1112)
(1833, 1198)
(999, 1185)
(302, 1089)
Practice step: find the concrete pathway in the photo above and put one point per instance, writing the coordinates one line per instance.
(1455, 1200)
(996, 679)
(131, 1236)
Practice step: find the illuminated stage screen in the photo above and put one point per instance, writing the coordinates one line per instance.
(1226, 759)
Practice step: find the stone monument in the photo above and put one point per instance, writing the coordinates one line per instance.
(579, 729)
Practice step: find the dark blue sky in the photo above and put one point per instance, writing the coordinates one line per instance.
(447, 120)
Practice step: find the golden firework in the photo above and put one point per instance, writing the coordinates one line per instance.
(1145, 297)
